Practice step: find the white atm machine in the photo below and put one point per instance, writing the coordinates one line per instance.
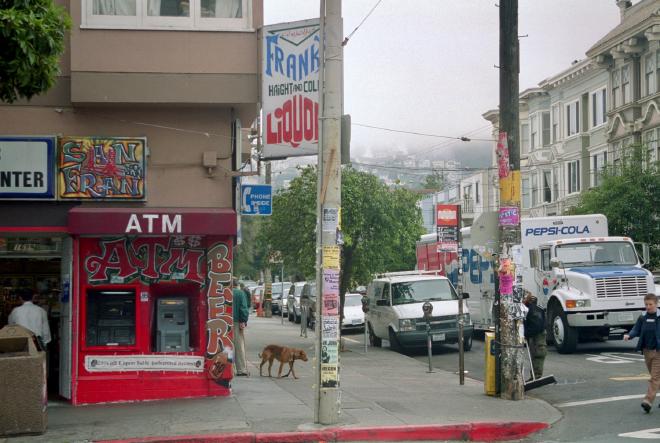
(172, 325)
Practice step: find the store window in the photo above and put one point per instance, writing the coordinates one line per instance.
(110, 317)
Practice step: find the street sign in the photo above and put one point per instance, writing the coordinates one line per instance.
(256, 199)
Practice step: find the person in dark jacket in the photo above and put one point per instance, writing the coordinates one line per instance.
(647, 328)
(240, 314)
(535, 334)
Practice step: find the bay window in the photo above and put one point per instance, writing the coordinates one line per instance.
(572, 118)
(598, 108)
(573, 171)
(230, 15)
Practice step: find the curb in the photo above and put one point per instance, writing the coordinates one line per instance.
(488, 431)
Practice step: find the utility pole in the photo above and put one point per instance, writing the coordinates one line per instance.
(510, 342)
(268, 277)
(328, 258)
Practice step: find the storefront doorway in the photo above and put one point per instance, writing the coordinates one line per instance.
(36, 264)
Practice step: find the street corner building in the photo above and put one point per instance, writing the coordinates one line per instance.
(118, 193)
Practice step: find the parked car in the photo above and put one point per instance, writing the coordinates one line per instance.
(278, 304)
(293, 301)
(353, 315)
(395, 311)
(257, 294)
(308, 303)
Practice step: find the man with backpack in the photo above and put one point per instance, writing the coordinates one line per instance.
(535, 334)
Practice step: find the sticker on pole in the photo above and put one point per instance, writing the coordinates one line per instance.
(256, 199)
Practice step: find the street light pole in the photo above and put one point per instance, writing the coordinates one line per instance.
(327, 404)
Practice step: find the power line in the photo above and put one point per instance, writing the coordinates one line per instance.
(348, 37)
(423, 134)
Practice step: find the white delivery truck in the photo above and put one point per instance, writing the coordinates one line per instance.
(591, 284)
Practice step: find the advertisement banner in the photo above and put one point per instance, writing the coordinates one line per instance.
(509, 216)
(27, 168)
(290, 89)
(92, 168)
(121, 363)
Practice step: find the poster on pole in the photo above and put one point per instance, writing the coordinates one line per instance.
(290, 89)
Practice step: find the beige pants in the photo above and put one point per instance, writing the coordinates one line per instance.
(240, 360)
(652, 359)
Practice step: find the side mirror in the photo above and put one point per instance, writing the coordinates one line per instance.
(556, 263)
(365, 304)
(382, 302)
(645, 252)
(466, 295)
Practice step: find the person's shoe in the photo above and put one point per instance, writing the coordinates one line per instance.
(242, 374)
(646, 406)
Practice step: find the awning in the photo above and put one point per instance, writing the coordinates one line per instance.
(152, 221)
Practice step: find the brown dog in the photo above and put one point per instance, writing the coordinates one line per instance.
(284, 355)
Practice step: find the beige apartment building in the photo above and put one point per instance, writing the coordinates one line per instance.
(117, 192)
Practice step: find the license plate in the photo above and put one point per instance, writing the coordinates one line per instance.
(626, 316)
(438, 337)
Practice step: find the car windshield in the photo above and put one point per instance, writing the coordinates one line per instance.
(277, 288)
(422, 290)
(597, 254)
(353, 300)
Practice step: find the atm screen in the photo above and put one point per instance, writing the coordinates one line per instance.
(110, 318)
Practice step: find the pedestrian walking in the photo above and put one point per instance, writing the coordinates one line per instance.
(535, 334)
(240, 314)
(31, 317)
(647, 328)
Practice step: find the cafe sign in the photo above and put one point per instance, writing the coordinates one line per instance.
(27, 166)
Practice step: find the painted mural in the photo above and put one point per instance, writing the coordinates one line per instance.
(148, 259)
(101, 168)
(219, 346)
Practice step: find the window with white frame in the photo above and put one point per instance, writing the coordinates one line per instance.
(572, 118)
(524, 138)
(477, 196)
(556, 123)
(526, 202)
(547, 186)
(626, 96)
(598, 107)
(573, 172)
(534, 131)
(650, 85)
(220, 15)
(616, 88)
(556, 181)
(545, 123)
(535, 187)
(598, 165)
(651, 144)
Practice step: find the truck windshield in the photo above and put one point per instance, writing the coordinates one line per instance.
(422, 290)
(595, 254)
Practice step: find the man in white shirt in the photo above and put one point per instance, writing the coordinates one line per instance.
(31, 317)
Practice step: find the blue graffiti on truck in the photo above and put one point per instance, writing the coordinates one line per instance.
(474, 266)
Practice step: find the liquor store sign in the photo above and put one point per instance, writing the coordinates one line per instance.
(27, 168)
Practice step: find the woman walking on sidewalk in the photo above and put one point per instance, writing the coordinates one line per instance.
(647, 328)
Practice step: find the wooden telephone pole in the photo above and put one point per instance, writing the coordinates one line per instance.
(508, 150)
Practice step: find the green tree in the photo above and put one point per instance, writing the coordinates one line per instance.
(250, 255)
(32, 41)
(434, 182)
(379, 226)
(629, 195)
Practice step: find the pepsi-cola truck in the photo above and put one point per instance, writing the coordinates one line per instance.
(591, 284)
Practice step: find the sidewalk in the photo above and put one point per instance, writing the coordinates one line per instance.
(381, 388)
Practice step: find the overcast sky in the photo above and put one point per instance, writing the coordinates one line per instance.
(428, 65)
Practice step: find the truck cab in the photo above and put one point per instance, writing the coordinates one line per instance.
(590, 286)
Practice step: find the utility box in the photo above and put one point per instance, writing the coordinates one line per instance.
(23, 393)
(173, 325)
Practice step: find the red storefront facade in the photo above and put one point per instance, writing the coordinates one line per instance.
(151, 303)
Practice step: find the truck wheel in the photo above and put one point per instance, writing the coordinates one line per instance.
(374, 341)
(394, 342)
(564, 336)
(467, 343)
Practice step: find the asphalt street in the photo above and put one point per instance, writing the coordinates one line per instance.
(599, 390)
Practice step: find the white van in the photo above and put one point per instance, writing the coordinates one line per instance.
(395, 310)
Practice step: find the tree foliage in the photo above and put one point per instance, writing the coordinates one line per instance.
(379, 226)
(629, 195)
(32, 40)
(250, 256)
(434, 182)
